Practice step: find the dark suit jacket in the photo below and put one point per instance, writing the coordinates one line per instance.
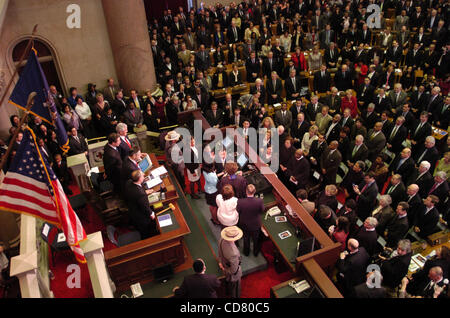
(363, 291)
(368, 240)
(405, 170)
(271, 90)
(330, 163)
(238, 183)
(334, 133)
(343, 83)
(322, 83)
(299, 169)
(127, 168)
(398, 193)
(290, 87)
(214, 120)
(376, 144)
(267, 70)
(427, 222)
(397, 229)
(202, 63)
(311, 113)
(252, 68)
(77, 147)
(328, 58)
(421, 134)
(124, 149)
(354, 268)
(441, 192)
(112, 162)
(432, 156)
(361, 154)
(250, 211)
(394, 269)
(262, 91)
(317, 150)
(369, 119)
(397, 140)
(384, 104)
(415, 205)
(366, 200)
(62, 173)
(299, 132)
(198, 286)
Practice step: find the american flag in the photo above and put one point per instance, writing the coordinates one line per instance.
(31, 187)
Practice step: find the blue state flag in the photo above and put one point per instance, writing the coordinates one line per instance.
(33, 79)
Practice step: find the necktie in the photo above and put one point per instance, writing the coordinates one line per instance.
(76, 138)
(355, 150)
(394, 131)
(391, 189)
(418, 128)
(444, 108)
(128, 143)
(293, 83)
(421, 157)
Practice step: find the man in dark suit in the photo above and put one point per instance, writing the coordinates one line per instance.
(366, 195)
(369, 289)
(133, 116)
(322, 80)
(329, 163)
(427, 218)
(250, 210)
(427, 152)
(375, 141)
(270, 64)
(204, 36)
(434, 102)
(317, 148)
(283, 117)
(365, 94)
(259, 88)
(396, 267)
(129, 165)
(397, 136)
(352, 267)
(313, 108)
(125, 143)
(331, 56)
(62, 172)
(229, 105)
(326, 36)
(394, 54)
(415, 202)
(198, 285)
(403, 164)
(299, 128)
(367, 235)
(381, 101)
(364, 35)
(293, 86)
(274, 89)
(297, 171)
(357, 152)
(441, 114)
(253, 67)
(355, 175)
(202, 59)
(414, 57)
(237, 119)
(141, 215)
(369, 116)
(333, 129)
(440, 189)
(333, 101)
(234, 33)
(214, 116)
(422, 178)
(396, 189)
(420, 131)
(77, 143)
(112, 161)
(343, 79)
(399, 226)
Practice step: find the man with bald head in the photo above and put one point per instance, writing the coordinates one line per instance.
(352, 265)
(403, 164)
(422, 178)
(329, 163)
(427, 152)
(297, 172)
(375, 141)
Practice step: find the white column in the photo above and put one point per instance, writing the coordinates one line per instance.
(93, 251)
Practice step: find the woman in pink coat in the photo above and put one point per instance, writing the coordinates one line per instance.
(349, 101)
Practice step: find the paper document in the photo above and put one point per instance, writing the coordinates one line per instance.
(159, 171)
(164, 220)
(61, 238)
(153, 182)
(45, 230)
(93, 170)
(316, 175)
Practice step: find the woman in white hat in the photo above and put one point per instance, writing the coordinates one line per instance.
(230, 260)
(174, 156)
(193, 170)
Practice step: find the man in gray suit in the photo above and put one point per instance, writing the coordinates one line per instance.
(397, 97)
(375, 141)
(230, 260)
(283, 117)
(133, 117)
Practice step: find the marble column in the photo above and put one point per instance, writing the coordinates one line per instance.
(130, 43)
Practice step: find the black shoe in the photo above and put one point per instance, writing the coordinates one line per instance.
(256, 253)
(195, 196)
(246, 253)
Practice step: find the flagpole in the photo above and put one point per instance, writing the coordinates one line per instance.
(30, 103)
(25, 53)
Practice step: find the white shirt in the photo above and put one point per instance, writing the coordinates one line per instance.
(83, 111)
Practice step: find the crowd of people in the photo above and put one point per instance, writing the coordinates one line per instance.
(376, 95)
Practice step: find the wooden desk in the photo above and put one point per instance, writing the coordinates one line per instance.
(428, 250)
(135, 262)
(438, 133)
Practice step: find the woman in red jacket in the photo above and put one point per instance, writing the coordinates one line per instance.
(349, 101)
(339, 233)
(299, 60)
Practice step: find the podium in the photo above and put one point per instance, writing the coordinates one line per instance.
(80, 167)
